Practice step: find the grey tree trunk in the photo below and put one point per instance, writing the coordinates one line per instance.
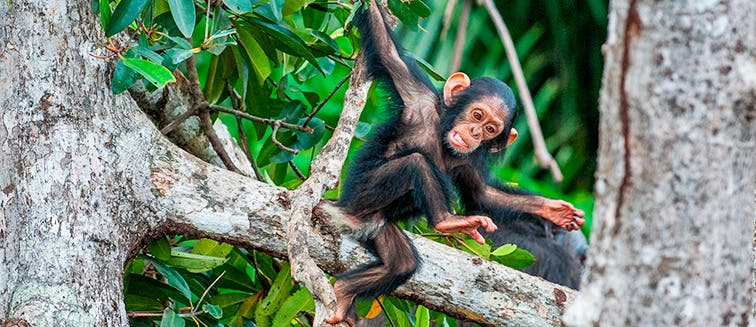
(86, 180)
(674, 216)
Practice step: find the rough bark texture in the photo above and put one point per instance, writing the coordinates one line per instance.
(86, 180)
(673, 221)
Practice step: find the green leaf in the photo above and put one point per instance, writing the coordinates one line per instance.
(308, 140)
(171, 319)
(123, 78)
(278, 292)
(260, 63)
(481, 250)
(180, 42)
(518, 259)
(505, 249)
(300, 301)
(404, 13)
(125, 12)
(420, 8)
(292, 6)
(429, 69)
(146, 53)
(362, 129)
(184, 15)
(173, 57)
(238, 6)
(275, 7)
(105, 13)
(212, 248)
(152, 288)
(161, 249)
(213, 310)
(195, 263)
(156, 74)
(228, 299)
(287, 41)
(173, 278)
(422, 317)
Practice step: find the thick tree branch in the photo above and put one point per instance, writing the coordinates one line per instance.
(171, 105)
(204, 200)
(323, 175)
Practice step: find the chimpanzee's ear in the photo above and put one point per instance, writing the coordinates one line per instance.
(456, 82)
(512, 136)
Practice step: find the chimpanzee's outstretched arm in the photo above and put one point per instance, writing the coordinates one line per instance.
(387, 62)
(489, 198)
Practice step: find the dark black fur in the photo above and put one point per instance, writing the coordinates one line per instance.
(395, 177)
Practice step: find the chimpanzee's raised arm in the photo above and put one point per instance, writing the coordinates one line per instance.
(388, 63)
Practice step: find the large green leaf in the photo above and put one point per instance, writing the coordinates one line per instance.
(404, 13)
(308, 140)
(123, 78)
(517, 259)
(171, 319)
(228, 299)
(255, 53)
(300, 301)
(173, 278)
(156, 74)
(212, 248)
(184, 15)
(505, 249)
(213, 310)
(286, 40)
(173, 57)
(160, 248)
(125, 12)
(481, 250)
(152, 288)
(105, 13)
(422, 317)
(279, 291)
(195, 263)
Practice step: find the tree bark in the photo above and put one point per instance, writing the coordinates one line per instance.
(674, 212)
(87, 180)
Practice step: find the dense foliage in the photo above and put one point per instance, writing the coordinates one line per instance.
(286, 61)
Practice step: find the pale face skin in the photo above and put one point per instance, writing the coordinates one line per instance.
(482, 121)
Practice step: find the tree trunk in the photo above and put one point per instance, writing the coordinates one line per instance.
(674, 216)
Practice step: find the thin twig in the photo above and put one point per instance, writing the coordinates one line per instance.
(325, 100)
(194, 309)
(391, 322)
(459, 41)
(247, 151)
(135, 314)
(237, 104)
(276, 126)
(176, 122)
(542, 153)
(207, 124)
(447, 17)
(260, 119)
(296, 170)
(201, 105)
(207, 19)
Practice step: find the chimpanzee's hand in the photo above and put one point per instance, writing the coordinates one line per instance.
(467, 225)
(563, 214)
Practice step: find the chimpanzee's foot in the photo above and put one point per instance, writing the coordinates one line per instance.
(343, 305)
